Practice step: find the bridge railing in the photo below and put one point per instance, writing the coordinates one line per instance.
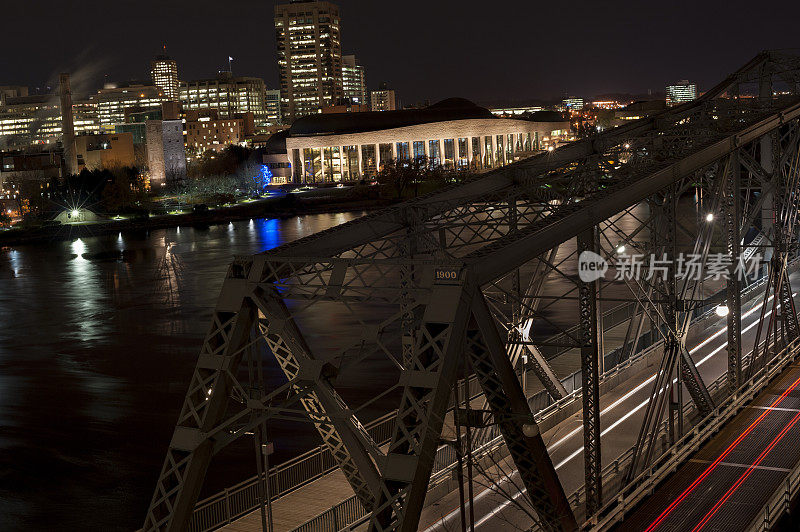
(446, 459)
(228, 505)
(779, 504)
(612, 474)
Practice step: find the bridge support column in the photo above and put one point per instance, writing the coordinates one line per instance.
(768, 190)
(588, 296)
(733, 215)
(511, 412)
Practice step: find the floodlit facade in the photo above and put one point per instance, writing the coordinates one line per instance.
(210, 132)
(227, 95)
(27, 120)
(681, 92)
(309, 56)
(354, 81)
(164, 73)
(454, 133)
(97, 152)
(166, 154)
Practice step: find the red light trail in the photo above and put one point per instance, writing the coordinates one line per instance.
(746, 474)
(721, 457)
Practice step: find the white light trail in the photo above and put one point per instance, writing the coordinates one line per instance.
(606, 410)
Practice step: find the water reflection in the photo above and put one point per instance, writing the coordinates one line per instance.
(269, 231)
(97, 340)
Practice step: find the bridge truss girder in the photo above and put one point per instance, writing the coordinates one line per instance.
(435, 283)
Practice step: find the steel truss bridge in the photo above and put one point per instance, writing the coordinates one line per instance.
(453, 284)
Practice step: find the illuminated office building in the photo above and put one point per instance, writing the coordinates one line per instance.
(383, 99)
(573, 104)
(36, 119)
(681, 92)
(273, 103)
(113, 102)
(309, 56)
(164, 73)
(227, 95)
(354, 81)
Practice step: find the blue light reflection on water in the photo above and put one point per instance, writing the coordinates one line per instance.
(98, 337)
(269, 231)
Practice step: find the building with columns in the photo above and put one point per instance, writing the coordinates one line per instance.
(454, 133)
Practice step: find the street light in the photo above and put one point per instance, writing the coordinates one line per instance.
(710, 217)
(722, 310)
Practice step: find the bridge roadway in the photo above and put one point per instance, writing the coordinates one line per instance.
(727, 482)
(621, 415)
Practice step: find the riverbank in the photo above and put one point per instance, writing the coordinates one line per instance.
(292, 204)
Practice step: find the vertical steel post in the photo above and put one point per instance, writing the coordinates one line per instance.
(733, 214)
(590, 364)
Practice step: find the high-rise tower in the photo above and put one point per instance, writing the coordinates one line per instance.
(354, 80)
(164, 72)
(309, 56)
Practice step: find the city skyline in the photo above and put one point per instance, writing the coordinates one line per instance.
(560, 63)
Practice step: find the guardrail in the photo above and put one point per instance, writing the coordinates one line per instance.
(234, 502)
(611, 473)
(779, 504)
(446, 459)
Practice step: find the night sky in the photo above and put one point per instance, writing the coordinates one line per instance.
(488, 51)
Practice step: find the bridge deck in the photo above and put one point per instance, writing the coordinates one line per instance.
(300, 506)
(737, 474)
(621, 416)
(622, 409)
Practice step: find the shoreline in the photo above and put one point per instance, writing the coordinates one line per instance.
(267, 208)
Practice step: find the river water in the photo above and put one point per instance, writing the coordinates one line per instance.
(98, 337)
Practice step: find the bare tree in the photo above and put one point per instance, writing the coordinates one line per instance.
(400, 174)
